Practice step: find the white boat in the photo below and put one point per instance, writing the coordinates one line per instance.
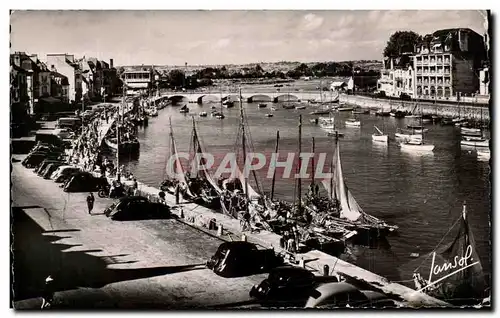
(345, 109)
(380, 136)
(353, 123)
(184, 109)
(476, 143)
(269, 115)
(329, 120)
(471, 131)
(416, 145)
(203, 114)
(300, 107)
(484, 154)
(273, 108)
(474, 138)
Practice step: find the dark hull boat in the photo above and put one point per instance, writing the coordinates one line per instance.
(453, 271)
(125, 147)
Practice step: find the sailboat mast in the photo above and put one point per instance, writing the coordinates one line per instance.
(312, 162)
(274, 174)
(331, 166)
(299, 185)
(195, 145)
(243, 141)
(118, 135)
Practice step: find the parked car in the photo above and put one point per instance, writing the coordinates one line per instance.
(83, 181)
(35, 158)
(44, 164)
(235, 259)
(50, 169)
(335, 295)
(62, 172)
(136, 208)
(286, 286)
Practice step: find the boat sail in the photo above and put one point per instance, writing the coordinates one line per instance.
(200, 182)
(453, 272)
(171, 183)
(237, 194)
(349, 208)
(380, 136)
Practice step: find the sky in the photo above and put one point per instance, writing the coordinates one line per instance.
(224, 37)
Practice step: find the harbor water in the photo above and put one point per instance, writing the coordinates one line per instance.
(421, 193)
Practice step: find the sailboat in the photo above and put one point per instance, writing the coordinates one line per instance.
(236, 194)
(417, 144)
(119, 141)
(454, 270)
(353, 122)
(379, 136)
(350, 212)
(474, 137)
(179, 179)
(184, 109)
(325, 230)
(216, 114)
(203, 188)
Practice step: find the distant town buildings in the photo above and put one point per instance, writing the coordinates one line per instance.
(447, 64)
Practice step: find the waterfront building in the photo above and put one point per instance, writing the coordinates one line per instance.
(37, 77)
(447, 64)
(397, 79)
(66, 65)
(137, 80)
(59, 87)
(18, 92)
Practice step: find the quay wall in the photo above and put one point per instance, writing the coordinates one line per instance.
(201, 217)
(473, 113)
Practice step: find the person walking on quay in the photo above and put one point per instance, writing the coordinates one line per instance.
(177, 194)
(48, 292)
(90, 202)
(135, 187)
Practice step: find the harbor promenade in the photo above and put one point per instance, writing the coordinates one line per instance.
(100, 263)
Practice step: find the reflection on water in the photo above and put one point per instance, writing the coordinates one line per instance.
(422, 193)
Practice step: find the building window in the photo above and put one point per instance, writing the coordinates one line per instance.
(447, 92)
(439, 91)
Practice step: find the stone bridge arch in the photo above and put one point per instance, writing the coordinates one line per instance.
(178, 99)
(208, 99)
(286, 98)
(260, 98)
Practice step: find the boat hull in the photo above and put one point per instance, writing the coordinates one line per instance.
(417, 147)
(353, 123)
(380, 138)
(474, 143)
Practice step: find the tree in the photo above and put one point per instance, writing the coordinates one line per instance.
(401, 42)
(176, 78)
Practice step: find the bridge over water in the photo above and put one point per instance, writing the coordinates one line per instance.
(249, 97)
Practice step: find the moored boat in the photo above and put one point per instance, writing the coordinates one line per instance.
(262, 105)
(184, 109)
(483, 154)
(437, 274)
(352, 122)
(416, 145)
(475, 143)
(380, 136)
(203, 114)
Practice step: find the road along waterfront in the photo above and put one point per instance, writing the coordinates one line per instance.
(422, 194)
